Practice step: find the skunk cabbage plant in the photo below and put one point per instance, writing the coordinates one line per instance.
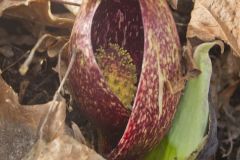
(128, 59)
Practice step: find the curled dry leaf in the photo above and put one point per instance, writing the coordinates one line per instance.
(72, 5)
(12, 112)
(63, 147)
(54, 141)
(35, 10)
(52, 44)
(213, 19)
(19, 125)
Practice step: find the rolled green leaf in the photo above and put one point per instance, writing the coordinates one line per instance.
(190, 123)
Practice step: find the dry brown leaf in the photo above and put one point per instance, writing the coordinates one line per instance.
(18, 124)
(34, 10)
(52, 44)
(21, 126)
(71, 5)
(216, 19)
(54, 49)
(12, 111)
(53, 124)
(72, 8)
(63, 147)
(54, 142)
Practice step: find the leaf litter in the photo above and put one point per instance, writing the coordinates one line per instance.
(27, 136)
(27, 99)
(211, 19)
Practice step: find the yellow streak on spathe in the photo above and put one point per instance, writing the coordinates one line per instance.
(154, 48)
(161, 80)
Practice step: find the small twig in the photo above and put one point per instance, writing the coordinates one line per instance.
(72, 60)
(57, 93)
(59, 60)
(25, 66)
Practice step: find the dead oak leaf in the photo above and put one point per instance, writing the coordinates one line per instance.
(35, 10)
(216, 19)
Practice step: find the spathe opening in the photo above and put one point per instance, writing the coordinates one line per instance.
(119, 22)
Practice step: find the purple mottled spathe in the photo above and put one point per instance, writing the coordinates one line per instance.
(146, 29)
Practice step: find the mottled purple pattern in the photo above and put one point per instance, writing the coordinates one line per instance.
(154, 106)
(96, 100)
(147, 125)
(119, 21)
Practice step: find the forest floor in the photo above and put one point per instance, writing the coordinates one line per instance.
(38, 86)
